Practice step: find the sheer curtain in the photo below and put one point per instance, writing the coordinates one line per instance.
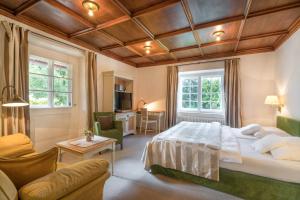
(15, 71)
(171, 100)
(92, 97)
(232, 93)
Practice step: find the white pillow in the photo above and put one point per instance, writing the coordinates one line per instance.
(286, 152)
(270, 130)
(250, 129)
(268, 143)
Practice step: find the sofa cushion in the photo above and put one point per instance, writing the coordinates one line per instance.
(15, 145)
(65, 181)
(24, 170)
(7, 189)
(106, 122)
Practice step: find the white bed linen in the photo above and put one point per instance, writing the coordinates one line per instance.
(264, 164)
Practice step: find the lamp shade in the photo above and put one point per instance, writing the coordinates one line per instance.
(16, 101)
(272, 100)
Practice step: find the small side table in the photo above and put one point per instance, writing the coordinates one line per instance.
(88, 152)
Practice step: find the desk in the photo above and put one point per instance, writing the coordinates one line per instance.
(157, 115)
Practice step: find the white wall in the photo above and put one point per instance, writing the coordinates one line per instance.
(288, 75)
(257, 74)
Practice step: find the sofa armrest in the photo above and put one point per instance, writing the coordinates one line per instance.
(65, 181)
(118, 124)
(97, 127)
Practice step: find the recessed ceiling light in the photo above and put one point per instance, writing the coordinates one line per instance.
(147, 51)
(147, 47)
(148, 43)
(91, 6)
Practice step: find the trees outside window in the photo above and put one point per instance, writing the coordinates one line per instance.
(201, 91)
(50, 83)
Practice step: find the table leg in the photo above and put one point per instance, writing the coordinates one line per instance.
(112, 158)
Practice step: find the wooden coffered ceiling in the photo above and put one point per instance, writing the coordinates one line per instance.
(178, 30)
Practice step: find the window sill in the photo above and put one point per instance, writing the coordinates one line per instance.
(210, 114)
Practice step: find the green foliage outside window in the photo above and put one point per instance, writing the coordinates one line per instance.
(210, 93)
(49, 83)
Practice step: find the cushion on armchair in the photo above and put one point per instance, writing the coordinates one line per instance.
(65, 181)
(15, 145)
(26, 169)
(106, 122)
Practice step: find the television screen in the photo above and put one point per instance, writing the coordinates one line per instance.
(123, 101)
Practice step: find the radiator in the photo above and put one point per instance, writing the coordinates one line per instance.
(199, 118)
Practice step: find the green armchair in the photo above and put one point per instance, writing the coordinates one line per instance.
(116, 130)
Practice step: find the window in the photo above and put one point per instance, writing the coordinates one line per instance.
(201, 91)
(50, 83)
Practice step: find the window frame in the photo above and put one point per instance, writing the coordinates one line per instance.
(200, 75)
(51, 77)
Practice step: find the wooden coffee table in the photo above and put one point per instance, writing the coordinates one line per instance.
(90, 151)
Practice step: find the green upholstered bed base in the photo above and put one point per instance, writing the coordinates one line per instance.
(244, 185)
(240, 184)
(289, 125)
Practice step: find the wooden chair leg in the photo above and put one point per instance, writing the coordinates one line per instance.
(146, 127)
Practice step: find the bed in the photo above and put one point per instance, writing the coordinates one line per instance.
(259, 176)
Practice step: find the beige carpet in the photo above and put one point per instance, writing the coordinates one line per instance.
(132, 182)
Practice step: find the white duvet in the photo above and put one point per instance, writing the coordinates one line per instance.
(193, 147)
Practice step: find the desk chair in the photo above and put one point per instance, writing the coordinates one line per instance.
(145, 120)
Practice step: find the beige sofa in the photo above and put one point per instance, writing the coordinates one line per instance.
(83, 180)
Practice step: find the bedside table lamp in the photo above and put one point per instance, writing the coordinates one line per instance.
(14, 101)
(273, 100)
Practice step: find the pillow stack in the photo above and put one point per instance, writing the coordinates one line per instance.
(258, 131)
(281, 148)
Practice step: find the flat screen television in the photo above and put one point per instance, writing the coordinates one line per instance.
(123, 101)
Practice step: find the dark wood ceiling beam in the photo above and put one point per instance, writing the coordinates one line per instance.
(110, 47)
(223, 42)
(274, 9)
(158, 6)
(189, 17)
(26, 6)
(210, 56)
(101, 26)
(184, 48)
(275, 33)
(70, 12)
(246, 12)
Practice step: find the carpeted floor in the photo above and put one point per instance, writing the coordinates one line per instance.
(132, 182)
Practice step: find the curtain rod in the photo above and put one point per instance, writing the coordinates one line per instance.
(54, 40)
(203, 62)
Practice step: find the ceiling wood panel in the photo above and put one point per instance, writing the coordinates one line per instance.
(162, 57)
(188, 53)
(230, 29)
(165, 20)
(126, 31)
(50, 16)
(134, 5)
(107, 11)
(257, 43)
(123, 52)
(258, 5)
(96, 38)
(204, 11)
(178, 41)
(140, 60)
(218, 49)
(12, 4)
(271, 22)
